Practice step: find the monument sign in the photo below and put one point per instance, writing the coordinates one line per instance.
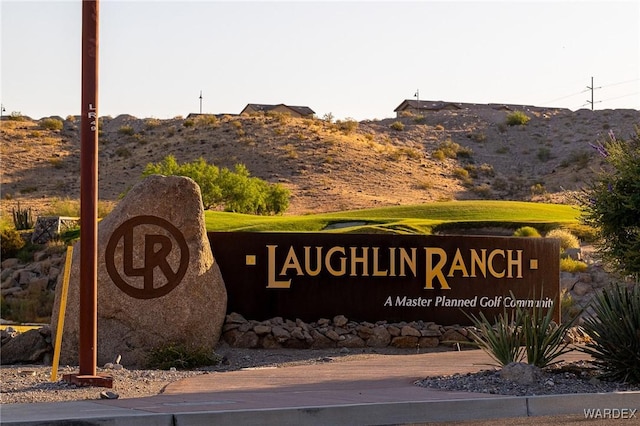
(384, 277)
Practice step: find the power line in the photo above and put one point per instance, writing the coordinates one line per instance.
(618, 97)
(621, 82)
(589, 88)
(565, 97)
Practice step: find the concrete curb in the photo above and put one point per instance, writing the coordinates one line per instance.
(349, 414)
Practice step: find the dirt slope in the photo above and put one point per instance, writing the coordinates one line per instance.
(442, 155)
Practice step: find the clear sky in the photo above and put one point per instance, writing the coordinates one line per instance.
(356, 59)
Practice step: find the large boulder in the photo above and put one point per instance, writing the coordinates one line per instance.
(158, 283)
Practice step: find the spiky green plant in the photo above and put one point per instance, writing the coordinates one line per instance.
(500, 340)
(615, 332)
(543, 339)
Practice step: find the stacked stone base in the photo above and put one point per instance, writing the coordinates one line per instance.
(338, 332)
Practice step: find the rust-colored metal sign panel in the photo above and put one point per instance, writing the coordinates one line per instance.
(384, 277)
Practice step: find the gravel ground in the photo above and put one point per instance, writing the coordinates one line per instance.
(562, 378)
(31, 383)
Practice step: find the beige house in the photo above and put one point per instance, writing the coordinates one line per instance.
(409, 106)
(294, 111)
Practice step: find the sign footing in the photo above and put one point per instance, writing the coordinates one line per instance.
(88, 380)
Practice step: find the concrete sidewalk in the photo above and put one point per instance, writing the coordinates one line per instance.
(378, 390)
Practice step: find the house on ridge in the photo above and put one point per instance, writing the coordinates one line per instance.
(410, 106)
(294, 111)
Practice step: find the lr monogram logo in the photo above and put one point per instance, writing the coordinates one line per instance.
(157, 248)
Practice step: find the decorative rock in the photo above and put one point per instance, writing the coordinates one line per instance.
(28, 347)
(428, 342)
(404, 342)
(9, 263)
(582, 288)
(409, 331)
(261, 330)
(340, 321)
(331, 334)
(170, 217)
(351, 341)
(453, 335)
(380, 338)
(38, 285)
(521, 373)
(280, 334)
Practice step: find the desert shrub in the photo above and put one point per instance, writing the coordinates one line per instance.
(568, 306)
(450, 149)
(151, 123)
(438, 155)
(482, 190)
(189, 122)
(17, 116)
(397, 125)
(181, 356)
(347, 126)
(51, 124)
(123, 151)
(537, 189)
(517, 118)
(462, 174)
(611, 205)
(580, 159)
(486, 169)
(405, 152)
(71, 207)
(126, 130)
(235, 190)
(567, 239)
(207, 120)
(11, 242)
(544, 154)
(56, 162)
(615, 332)
(568, 264)
(526, 231)
(477, 137)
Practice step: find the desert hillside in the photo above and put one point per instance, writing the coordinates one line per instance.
(469, 153)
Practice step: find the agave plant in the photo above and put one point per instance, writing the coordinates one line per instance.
(615, 332)
(544, 339)
(523, 333)
(501, 340)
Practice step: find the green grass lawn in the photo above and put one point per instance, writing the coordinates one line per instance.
(423, 218)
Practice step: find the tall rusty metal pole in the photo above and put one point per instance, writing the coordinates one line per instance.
(89, 189)
(89, 202)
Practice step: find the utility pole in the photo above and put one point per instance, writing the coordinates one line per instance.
(417, 95)
(592, 88)
(201, 102)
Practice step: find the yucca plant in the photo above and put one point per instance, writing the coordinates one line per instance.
(615, 332)
(501, 340)
(543, 339)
